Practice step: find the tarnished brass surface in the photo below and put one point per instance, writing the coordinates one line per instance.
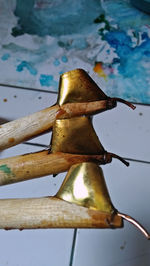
(75, 135)
(85, 185)
(78, 86)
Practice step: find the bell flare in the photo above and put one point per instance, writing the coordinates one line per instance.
(85, 185)
(76, 136)
(77, 86)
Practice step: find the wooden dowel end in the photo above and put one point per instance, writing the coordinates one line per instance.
(50, 212)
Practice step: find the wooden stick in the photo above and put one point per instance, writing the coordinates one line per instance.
(22, 129)
(51, 212)
(28, 166)
(28, 127)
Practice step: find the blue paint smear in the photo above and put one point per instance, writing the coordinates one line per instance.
(124, 34)
(143, 5)
(5, 57)
(36, 55)
(64, 59)
(125, 15)
(78, 43)
(56, 62)
(130, 64)
(48, 80)
(26, 65)
(55, 18)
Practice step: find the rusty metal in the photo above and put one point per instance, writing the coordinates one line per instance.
(85, 185)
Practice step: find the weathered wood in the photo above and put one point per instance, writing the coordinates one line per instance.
(22, 129)
(28, 166)
(17, 131)
(51, 212)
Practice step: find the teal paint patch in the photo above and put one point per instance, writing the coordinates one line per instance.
(5, 57)
(61, 72)
(7, 172)
(56, 62)
(4, 168)
(64, 59)
(55, 18)
(28, 66)
(35, 56)
(48, 80)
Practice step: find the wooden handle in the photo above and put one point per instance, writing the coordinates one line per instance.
(51, 212)
(28, 127)
(28, 166)
(22, 129)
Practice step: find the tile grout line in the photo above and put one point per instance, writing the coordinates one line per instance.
(53, 92)
(28, 89)
(73, 247)
(47, 147)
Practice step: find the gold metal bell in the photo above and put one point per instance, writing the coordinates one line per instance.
(78, 86)
(75, 135)
(85, 185)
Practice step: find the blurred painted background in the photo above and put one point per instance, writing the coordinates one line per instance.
(40, 39)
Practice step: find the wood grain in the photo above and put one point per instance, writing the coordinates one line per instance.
(28, 166)
(51, 212)
(17, 131)
(22, 129)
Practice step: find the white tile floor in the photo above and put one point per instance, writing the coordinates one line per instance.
(121, 131)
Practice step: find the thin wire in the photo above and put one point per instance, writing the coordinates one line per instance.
(73, 247)
(36, 144)
(46, 146)
(136, 160)
(135, 223)
(144, 104)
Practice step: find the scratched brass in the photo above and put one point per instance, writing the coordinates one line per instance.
(85, 185)
(75, 135)
(78, 86)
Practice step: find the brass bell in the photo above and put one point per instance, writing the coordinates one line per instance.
(77, 86)
(85, 185)
(75, 135)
